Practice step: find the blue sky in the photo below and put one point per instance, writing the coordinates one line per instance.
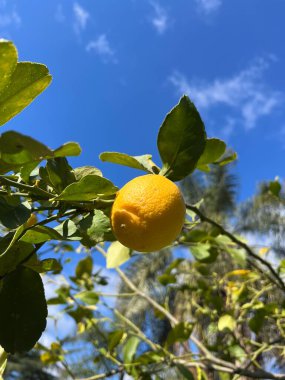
(119, 66)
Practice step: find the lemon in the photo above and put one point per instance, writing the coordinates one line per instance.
(148, 213)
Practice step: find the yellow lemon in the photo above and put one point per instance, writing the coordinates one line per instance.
(148, 213)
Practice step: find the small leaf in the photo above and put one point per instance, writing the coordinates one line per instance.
(42, 266)
(95, 228)
(68, 230)
(40, 234)
(117, 255)
(114, 339)
(23, 310)
(181, 140)
(13, 213)
(201, 251)
(185, 372)
(68, 149)
(179, 333)
(14, 255)
(27, 81)
(227, 158)
(59, 174)
(226, 322)
(214, 149)
(166, 279)
(130, 349)
(137, 162)
(83, 171)
(88, 297)
(88, 188)
(257, 321)
(84, 266)
(275, 188)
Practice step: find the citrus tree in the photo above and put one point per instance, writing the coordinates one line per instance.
(231, 319)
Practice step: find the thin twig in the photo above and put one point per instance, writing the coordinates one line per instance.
(240, 243)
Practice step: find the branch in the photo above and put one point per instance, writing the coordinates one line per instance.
(105, 375)
(240, 243)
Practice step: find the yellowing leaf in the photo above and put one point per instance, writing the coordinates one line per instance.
(239, 272)
(263, 250)
(226, 321)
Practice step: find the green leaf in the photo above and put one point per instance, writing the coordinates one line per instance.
(68, 230)
(27, 81)
(226, 322)
(68, 149)
(88, 188)
(257, 321)
(84, 267)
(22, 153)
(166, 279)
(185, 372)
(227, 158)
(88, 297)
(23, 310)
(130, 349)
(42, 266)
(59, 174)
(214, 149)
(8, 62)
(179, 333)
(83, 171)
(13, 213)
(114, 339)
(18, 149)
(95, 228)
(181, 140)
(150, 357)
(275, 188)
(40, 234)
(201, 251)
(117, 255)
(13, 255)
(137, 162)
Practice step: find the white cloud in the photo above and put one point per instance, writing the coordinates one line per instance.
(101, 46)
(8, 17)
(81, 17)
(59, 15)
(160, 19)
(208, 6)
(244, 92)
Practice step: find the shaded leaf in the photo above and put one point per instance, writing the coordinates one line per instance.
(23, 310)
(13, 213)
(42, 266)
(40, 234)
(179, 333)
(115, 338)
(84, 266)
(95, 228)
(185, 372)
